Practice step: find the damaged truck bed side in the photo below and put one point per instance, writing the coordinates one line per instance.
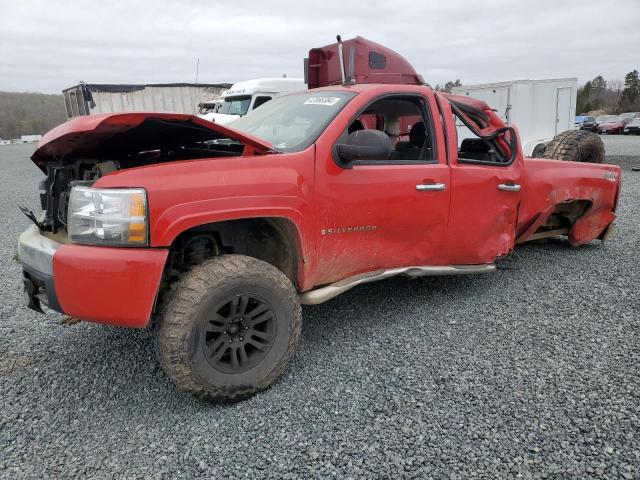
(216, 234)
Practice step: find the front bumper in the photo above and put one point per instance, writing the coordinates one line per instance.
(117, 286)
(36, 254)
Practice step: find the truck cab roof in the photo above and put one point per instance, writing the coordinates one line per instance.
(265, 85)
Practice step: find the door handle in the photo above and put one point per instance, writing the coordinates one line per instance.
(506, 187)
(430, 187)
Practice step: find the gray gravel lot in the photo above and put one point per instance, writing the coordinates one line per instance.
(531, 372)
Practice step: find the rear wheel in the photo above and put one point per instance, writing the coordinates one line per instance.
(228, 328)
(576, 146)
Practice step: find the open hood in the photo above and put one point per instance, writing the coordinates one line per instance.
(120, 134)
(219, 118)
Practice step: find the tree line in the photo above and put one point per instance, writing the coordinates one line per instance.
(29, 113)
(600, 96)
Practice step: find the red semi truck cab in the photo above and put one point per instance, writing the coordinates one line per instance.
(216, 233)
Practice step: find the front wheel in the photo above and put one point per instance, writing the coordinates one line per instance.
(228, 328)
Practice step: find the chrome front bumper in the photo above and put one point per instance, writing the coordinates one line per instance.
(36, 255)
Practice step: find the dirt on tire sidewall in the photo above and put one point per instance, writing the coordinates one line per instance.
(178, 330)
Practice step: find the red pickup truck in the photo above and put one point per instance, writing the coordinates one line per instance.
(215, 235)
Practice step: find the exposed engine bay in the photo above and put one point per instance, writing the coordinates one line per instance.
(56, 188)
(84, 157)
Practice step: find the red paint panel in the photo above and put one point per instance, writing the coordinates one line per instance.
(482, 222)
(371, 217)
(117, 286)
(324, 65)
(483, 218)
(88, 135)
(550, 182)
(589, 227)
(189, 193)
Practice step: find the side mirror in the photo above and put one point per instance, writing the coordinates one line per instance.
(365, 145)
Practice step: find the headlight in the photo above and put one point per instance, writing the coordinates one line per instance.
(108, 216)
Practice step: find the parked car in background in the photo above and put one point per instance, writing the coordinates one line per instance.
(578, 121)
(613, 125)
(630, 115)
(589, 123)
(602, 118)
(633, 127)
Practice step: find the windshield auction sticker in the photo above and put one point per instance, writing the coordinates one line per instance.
(328, 101)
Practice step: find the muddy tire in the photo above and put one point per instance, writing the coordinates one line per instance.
(576, 146)
(228, 328)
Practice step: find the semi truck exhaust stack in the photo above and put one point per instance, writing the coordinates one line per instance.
(341, 60)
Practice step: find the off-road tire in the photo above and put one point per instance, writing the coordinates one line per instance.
(178, 334)
(576, 146)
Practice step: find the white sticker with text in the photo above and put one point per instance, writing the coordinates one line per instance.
(328, 101)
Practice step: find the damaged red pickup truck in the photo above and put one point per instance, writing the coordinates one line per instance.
(215, 235)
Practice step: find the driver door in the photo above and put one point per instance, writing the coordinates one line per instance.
(382, 214)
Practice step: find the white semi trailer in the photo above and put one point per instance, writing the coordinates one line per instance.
(87, 99)
(540, 109)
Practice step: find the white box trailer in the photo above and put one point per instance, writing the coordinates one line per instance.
(87, 99)
(540, 109)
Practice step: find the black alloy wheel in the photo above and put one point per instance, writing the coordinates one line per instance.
(239, 334)
(228, 327)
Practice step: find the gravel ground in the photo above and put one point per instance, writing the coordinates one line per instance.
(532, 372)
(628, 145)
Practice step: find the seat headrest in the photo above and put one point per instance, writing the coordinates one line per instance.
(474, 145)
(417, 134)
(355, 126)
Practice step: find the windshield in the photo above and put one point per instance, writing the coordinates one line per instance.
(235, 105)
(207, 108)
(293, 122)
(615, 119)
(635, 120)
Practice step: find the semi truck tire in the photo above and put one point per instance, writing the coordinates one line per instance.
(576, 146)
(228, 328)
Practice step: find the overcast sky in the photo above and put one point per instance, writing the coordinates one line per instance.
(48, 45)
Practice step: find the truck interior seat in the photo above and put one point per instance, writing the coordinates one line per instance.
(355, 126)
(476, 149)
(417, 148)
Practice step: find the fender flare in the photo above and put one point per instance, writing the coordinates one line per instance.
(183, 217)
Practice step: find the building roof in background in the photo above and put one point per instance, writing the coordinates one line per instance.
(130, 87)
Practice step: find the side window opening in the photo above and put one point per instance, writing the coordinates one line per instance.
(405, 124)
(260, 101)
(473, 149)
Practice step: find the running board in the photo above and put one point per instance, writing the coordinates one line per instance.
(322, 294)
